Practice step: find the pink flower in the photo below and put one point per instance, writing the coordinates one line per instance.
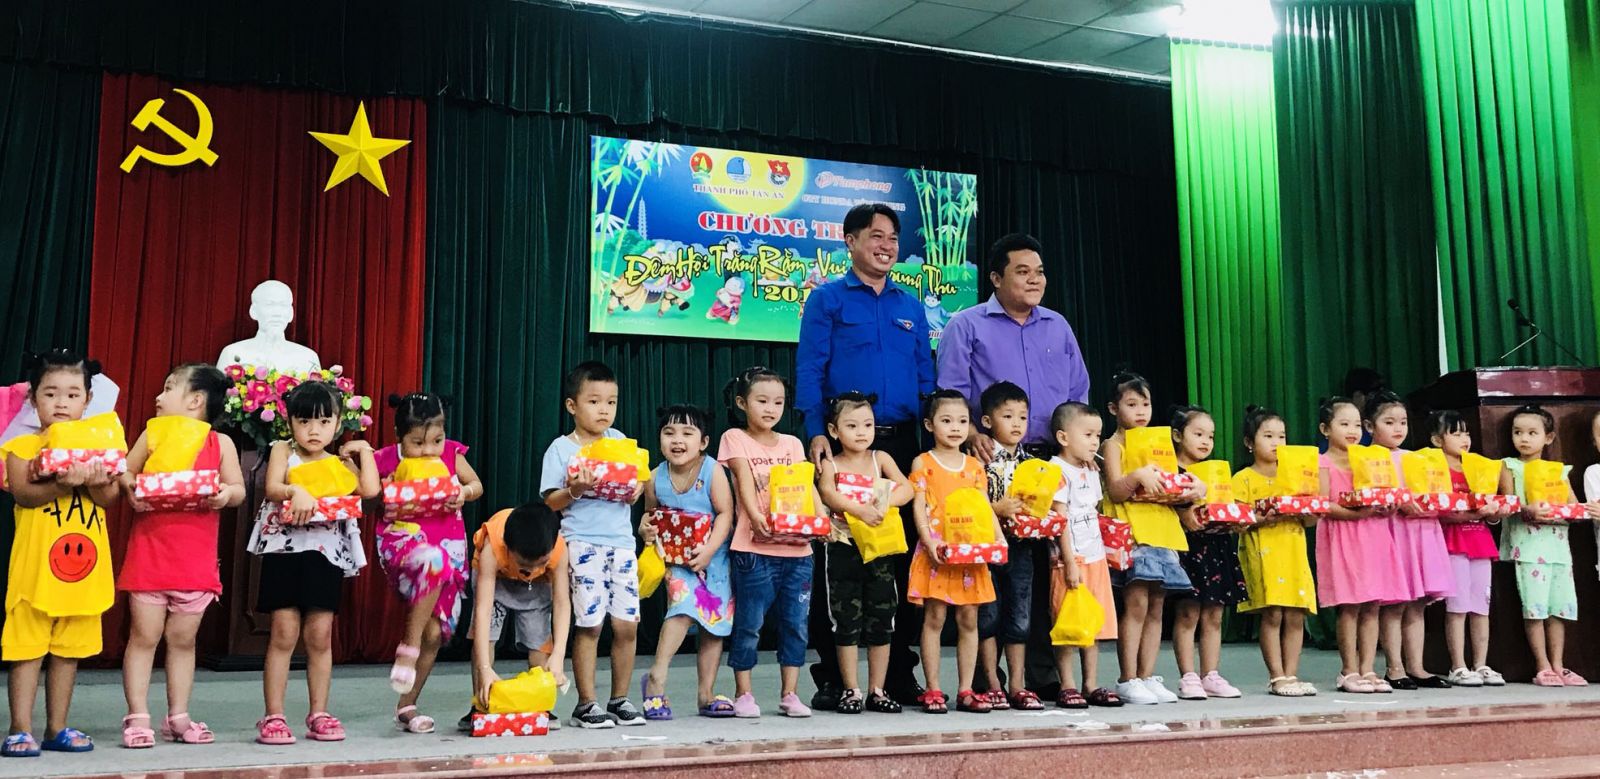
(354, 404)
(249, 405)
(233, 392)
(366, 421)
(286, 383)
(235, 372)
(267, 414)
(261, 372)
(345, 384)
(337, 370)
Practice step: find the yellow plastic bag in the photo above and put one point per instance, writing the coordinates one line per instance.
(1078, 620)
(1483, 473)
(530, 691)
(1372, 468)
(1297, 471)
(101, 431)
(793, 489)
(174, 442)
(1217, 475)
(968, 518)
(1150, 446)
(625, 451)
(1426, 471)
(888, 538)
(1545, 481)
(420, 468)
(1035, 483)
(325, 478)
(652, 569)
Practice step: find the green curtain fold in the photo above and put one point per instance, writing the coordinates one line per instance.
(1498, 87)
(1583, 33)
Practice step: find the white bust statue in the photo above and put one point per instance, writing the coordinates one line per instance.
(272, 307)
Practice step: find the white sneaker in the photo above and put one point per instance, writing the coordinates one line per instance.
(1462, 677)
(1134, 692)
(1158, 687)
(1491, 677)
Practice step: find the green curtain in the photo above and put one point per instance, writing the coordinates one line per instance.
(1583, 31)
(1224, 125)
(1500, 127)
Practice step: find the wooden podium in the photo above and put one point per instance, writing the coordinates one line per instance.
(1487, 396)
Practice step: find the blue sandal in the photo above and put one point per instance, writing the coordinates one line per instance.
(20, 745)
(69, 740)
(718, 708)
(656, 707)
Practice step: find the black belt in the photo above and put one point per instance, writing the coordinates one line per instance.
(887, 430)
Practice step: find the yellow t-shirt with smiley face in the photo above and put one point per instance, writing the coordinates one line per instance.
(61, 558)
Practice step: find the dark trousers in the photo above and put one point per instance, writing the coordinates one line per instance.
(902, 444)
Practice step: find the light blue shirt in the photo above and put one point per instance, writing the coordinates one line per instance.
(593, 521)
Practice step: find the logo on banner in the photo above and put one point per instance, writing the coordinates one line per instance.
(195, 147)
(778, 172)
(738, 170)
(700, 166)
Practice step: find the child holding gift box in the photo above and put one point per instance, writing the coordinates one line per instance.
(1591, 479)
(599, 535)
(170, 568)
(1358, 568)
(1541, 552)
(936, 585)
(1004, 620)
(1158, 538)
(767, 574)
(303, 562)
(1272, 554)
(424, 557)
(1212, 563)
(862, 596)
(699, 594)
(1079, 559)
(1424, 560)
(59, 577)
(1472, 549)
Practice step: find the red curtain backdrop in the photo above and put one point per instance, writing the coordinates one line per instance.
(178, 250)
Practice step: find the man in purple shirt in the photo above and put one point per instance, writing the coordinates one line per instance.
(1010, 337)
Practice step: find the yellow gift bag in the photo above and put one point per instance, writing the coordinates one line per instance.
(1035, 483)
(623, 451)
(1150, 446)
(325, 478)
(888, 538)
(530, 691)
(1483, 473)
(420, 468)
(968, 518)
(100, 432)
(1297, 471)
(1078, 620)
(1545, 481)
(1371, 467)
(793, 489)
(174, 442)
(1217, 475)
(652, 569)
(1426, 471)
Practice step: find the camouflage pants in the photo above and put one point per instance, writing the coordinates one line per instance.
(862, 597)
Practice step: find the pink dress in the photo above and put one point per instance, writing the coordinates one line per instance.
(1424, 559)
(428, 553)
(1356, 558)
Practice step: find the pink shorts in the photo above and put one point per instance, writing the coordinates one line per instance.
(1472, 586)
(176, 601)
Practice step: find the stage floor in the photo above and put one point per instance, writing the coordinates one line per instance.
(231, 702)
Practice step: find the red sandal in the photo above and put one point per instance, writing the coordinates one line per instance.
(934, 702)
(1070, 698)
(997, 700)
(972, 703)
(1025, 700)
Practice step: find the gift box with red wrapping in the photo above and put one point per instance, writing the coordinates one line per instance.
(1370, 498)
(1567, 512)
(616, 482)
(178, 490)
(1225, 514)
(1021, 525)
(420, 497)
(967, 554)
(1173, 485)
(328, 510)
(1117, 536)
(798, 528)
(1294, 505)
(1442, 502)
(51, 462)
(1502, 504)
(533, 723)
(679, 532)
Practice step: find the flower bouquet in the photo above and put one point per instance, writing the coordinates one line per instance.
(255, 403)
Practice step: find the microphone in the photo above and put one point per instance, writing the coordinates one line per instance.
(1523, 320)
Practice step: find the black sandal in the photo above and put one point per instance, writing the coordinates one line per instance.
(880, 702)
(849, 702)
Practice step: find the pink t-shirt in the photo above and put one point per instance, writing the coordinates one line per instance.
(1472, 539)
(737, 444)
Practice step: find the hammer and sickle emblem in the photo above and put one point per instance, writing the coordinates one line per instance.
(195, 147)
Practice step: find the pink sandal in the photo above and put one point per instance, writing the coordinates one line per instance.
(322, 726)
(194, 733)
(403, 677)
(135, 737)
(416, 723)
(273, 730)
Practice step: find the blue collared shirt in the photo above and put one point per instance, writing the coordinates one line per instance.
(984, 345)
(853, 338)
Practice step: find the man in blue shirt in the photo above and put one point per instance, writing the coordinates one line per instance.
(863, 333)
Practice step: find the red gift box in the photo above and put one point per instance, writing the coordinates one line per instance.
(679, 532)
(430, 497)
(1567, 512)
(798, 528)
(328, 510)
(969, 554)
(617, 482)
(54, 461)
(1387, 498)
(533, 723)
(1173, 485)
(1021, 525)
(178, 490)
(1117, 536)
(1443, 502)
(1295, 505)
(1502, 504)
(1225, 514)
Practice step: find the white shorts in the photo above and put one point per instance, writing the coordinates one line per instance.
(605, 580)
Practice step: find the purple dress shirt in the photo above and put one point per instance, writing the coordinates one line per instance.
(984, 345)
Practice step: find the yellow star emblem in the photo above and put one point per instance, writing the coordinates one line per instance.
(359, 152)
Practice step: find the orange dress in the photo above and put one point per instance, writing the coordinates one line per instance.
(957, 585)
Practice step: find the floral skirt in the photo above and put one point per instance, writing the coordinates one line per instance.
(416, 566)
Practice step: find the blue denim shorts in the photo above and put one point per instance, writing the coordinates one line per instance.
(1154, 564)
